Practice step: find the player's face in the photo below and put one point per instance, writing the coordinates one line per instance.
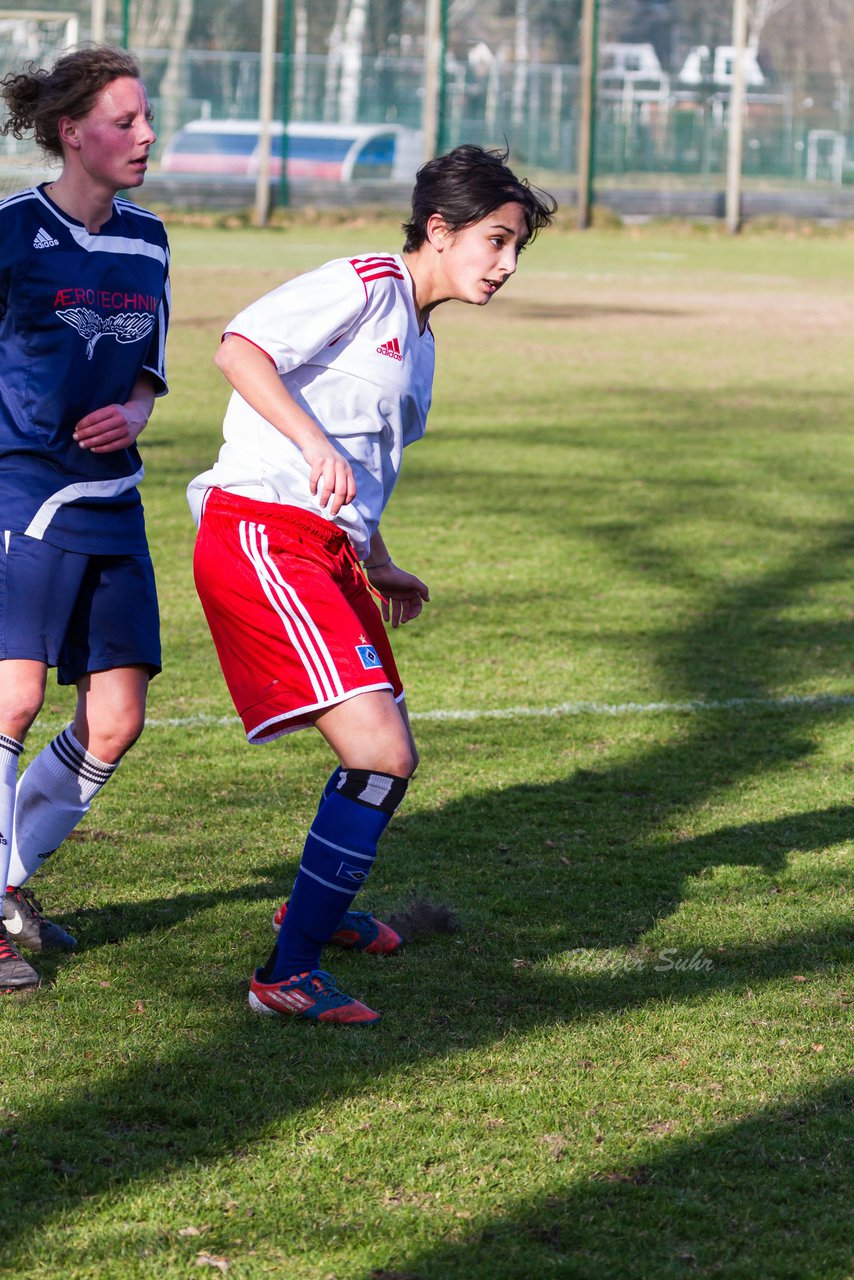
(113, 140)
(480, 258)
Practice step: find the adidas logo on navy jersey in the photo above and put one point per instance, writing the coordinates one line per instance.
(390, 349)
(43, 240)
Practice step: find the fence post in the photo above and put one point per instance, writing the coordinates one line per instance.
(587, 112)
(287, 53)
(98, 21)
(735, 130)
(435, 36)
(268, 49)
(442, 120)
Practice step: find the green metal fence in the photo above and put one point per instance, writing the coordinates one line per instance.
(794, 133)
(650, 127)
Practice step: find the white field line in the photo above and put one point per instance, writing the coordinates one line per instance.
(815, 702)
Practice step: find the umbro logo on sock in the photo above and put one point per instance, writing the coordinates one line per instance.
(43, 240)
(356, 874)
(390, 349)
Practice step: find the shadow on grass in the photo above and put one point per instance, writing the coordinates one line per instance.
(750, 1199)
(115, 922)
(215, 1097)
(509, 866)
(537, 870)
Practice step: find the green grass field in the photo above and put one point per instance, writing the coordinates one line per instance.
(632, 691)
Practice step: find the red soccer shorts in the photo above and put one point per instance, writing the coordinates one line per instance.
(291, 614)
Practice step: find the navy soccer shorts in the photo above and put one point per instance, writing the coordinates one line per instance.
(78, 613)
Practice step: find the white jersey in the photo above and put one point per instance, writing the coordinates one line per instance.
(346, 343)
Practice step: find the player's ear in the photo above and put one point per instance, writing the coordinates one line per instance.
(438, 232)
(66, 127)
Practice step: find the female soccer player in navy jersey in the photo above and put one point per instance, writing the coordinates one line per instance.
(332, 377)
(84, 299)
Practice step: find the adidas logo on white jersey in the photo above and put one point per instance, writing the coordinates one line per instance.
(43, 240)
(390, 349)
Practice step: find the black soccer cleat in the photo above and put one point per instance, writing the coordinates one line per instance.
(27, 927)
(15, 973)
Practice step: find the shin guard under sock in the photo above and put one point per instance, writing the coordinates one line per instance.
(338, 855)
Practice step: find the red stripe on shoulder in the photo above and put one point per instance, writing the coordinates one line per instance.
(380, 273)
(376, 266)
(373, 257)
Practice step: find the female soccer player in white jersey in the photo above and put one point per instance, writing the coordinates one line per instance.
(84, 300)
(332, 377)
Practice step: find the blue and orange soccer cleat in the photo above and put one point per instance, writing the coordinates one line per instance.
(311, 995)
(358, 931)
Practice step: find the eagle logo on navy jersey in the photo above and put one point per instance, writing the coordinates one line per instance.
(130, 326)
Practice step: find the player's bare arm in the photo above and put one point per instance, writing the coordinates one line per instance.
(117, 426)
(403, 595)
(254, 377)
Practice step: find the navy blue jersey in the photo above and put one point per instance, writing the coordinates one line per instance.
(82, 315)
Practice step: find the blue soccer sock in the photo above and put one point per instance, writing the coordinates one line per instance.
(338, 855)
(331, 784)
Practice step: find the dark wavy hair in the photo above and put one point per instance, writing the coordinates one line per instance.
(467, 185)
(38, 99)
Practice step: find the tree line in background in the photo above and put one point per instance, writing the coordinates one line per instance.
(512, 73)
(806, 36)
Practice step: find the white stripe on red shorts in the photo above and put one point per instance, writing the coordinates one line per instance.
(291, 614)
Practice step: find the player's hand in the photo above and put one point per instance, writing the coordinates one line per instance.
(116, 426)
(403, 595)
(331, 476)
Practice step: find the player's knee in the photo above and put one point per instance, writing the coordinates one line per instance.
(126, 734)
(18, 710)
(401, 761)
(392, 753)
(110, 741)
(130, 732)
(405, 755)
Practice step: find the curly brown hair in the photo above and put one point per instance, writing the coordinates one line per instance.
(37, 99)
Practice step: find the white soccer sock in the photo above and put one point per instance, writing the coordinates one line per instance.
(54, 793)
(10, 751)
